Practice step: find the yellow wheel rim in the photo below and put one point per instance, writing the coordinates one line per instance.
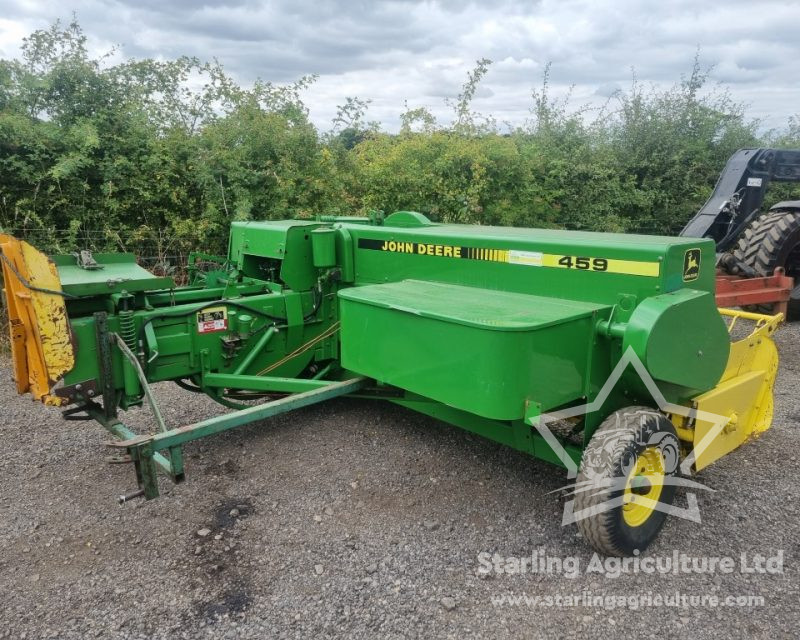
(643, 487)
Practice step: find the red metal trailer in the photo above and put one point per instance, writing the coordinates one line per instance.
(774, 290)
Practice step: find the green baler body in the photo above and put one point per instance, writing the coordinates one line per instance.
(500, 322)
(482, 351)
(484, 327)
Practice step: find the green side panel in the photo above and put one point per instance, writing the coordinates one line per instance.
(277, 251)
(680, 338)
(119, 272)
(592, 267)
(478, 350)
(516, 434)
(176, 347)
(323, 247)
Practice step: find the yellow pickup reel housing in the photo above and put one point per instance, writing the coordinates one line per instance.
(41, 342)
(741, 404)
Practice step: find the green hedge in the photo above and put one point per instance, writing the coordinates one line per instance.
(133, 156)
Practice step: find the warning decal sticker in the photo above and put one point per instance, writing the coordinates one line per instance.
(212, 319)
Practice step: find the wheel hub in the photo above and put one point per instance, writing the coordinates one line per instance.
(643, 487)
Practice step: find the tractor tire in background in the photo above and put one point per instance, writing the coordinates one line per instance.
(773, 240)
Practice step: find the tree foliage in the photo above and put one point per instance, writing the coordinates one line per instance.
(157, 157)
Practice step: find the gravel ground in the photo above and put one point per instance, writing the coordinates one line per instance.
(359, 519)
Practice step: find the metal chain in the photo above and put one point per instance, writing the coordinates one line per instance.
(28, 285)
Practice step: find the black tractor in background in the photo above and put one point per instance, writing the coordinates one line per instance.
(750, 243)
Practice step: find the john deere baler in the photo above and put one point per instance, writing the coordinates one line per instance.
(601, 353)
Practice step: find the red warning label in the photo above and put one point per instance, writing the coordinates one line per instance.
(212, 319)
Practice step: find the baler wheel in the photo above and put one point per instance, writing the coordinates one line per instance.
(625, 480)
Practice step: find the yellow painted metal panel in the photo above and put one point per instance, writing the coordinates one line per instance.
(40, 334)
(738, 401)
(743, 398)
(628, 267)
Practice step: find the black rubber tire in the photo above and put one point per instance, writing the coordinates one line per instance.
(770, 241)
(612, 450)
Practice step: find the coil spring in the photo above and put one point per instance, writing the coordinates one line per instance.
(127, 329)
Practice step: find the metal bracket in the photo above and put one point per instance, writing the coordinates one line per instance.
(104, 362)
(77, 391)
(77, 414)
(126, 351)
(87, 261)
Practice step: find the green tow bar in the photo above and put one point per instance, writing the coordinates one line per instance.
(144, 449)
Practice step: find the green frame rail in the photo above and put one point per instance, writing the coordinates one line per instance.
(145, 451)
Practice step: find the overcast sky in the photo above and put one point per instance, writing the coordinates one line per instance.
(421, 51)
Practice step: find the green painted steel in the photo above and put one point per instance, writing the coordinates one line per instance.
(514, 434)
(261, 383)
(144, 449)
(384, 254)
(323, 247)
(486, 352)
(482, 327)
(117, 272)
(227, 421)
(679, 340)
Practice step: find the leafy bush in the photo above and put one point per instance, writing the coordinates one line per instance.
(157, 157)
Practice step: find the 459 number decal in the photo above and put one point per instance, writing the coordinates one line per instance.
(605, 265)
(585, 264)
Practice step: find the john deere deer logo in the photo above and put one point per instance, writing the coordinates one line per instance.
(691, 265)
